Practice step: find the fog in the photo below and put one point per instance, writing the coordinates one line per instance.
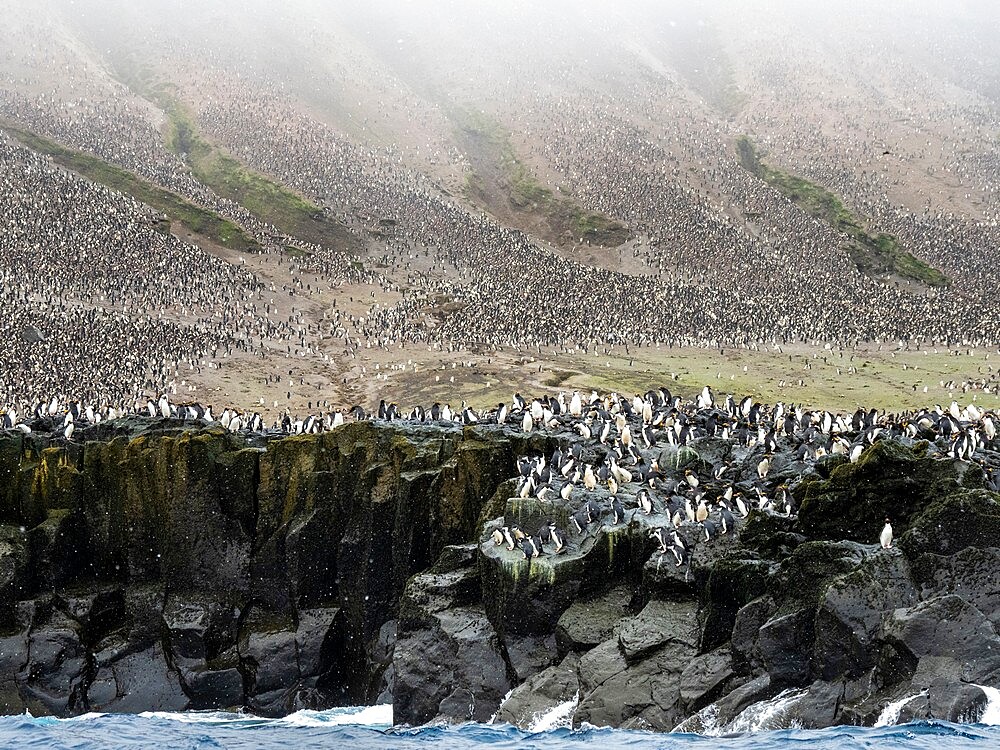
(480, 49)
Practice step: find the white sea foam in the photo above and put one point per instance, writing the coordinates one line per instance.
(81, 717)
(197, 717)
(769, 714)
(556, 717)
(757, 717)
(991, 713)
(372, 716)
(890, 714)
(705, 722)
(369, 716)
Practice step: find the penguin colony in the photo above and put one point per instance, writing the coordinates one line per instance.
(99, 304)
(124, 310)
(607, 470)
(603, 476)
(433, 248)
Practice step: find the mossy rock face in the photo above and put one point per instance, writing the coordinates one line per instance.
(825, 465)
(15, 574)
(771, 534)
(732, 583)
(527, 597)
(268, 571)
(889, 480)
(176, 528)
(955, 522)
(58, 551)
(12, 459)
(296, 525)
(802, 578)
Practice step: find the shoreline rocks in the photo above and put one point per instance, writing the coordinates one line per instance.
(161, 568)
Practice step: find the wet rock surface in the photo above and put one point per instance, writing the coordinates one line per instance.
(161, 568)
(153, 566)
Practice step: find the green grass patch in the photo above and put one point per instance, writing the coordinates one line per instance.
(196, 218)
(873, 254)
(230, 178)
(497, 169)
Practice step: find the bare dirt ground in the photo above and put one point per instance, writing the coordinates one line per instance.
(330, 378)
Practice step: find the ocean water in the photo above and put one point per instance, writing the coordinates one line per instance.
(362, 728)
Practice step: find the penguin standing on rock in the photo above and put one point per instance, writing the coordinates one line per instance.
(544, 532)
(618, 511)
(566, 491)
(581, 519)
(691, 478)
(701, 513)
(645, 502)
(710, 529)
(678, 549)
(660, 535)
(741, 505)
(558, 538)
(508, 536)
(885, 538)
(532, 547)
(727, 519)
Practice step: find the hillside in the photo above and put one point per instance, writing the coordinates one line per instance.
(443, 200)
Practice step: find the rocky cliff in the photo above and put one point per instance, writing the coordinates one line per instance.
(148, 565)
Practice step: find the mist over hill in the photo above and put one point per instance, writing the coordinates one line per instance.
(505, 189)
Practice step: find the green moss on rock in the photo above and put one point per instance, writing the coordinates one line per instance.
(889, 480)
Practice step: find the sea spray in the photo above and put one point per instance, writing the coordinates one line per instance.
(890, 714)
(991, 712)
(765, 715)
(556, 717)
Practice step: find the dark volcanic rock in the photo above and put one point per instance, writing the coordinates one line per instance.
(586, 623)
(645, 695)
(447, 658)
(542, 692)
(949, 627)
(851, 613)
(659, 623)
(152, 566)
(745, 639)
(969, 518)
(818, 707)
(784, 646)
(704, 676)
